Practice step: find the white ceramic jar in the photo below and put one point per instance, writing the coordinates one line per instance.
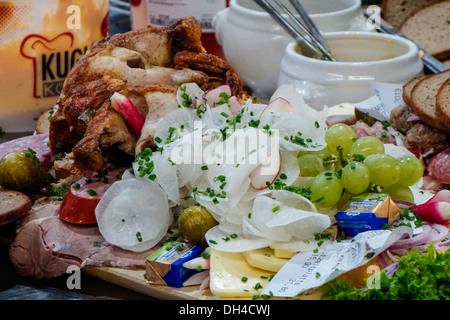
(254, 43)
(362, 57)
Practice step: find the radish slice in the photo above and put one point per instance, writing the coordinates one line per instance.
(222, 241)
(267, 172)
(190, 95)
(437, 209)
(199, 263)
(277, 105)
(235, 106)
(215, 96)
(126, 108)
(133, 214)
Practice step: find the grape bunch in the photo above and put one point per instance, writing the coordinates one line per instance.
(355, 166)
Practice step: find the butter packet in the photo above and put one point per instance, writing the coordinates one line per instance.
(368, 211)
(165, 265)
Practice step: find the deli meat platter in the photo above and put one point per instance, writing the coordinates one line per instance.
(158, 171)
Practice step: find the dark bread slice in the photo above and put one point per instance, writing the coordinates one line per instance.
(407, 88)
(396, 11)
(443, 103)
(423, 99)
(429, 28)
(13, 205)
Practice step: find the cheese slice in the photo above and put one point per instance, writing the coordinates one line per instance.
(232, 276)
(284, 253)
(264, 259)
(341, 112)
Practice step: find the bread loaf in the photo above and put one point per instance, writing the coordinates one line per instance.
(423, 99)
(14, 205)
(407, 88)
(429, 28)
(443, 102)
(396, 11)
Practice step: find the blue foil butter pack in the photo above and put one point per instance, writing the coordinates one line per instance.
(369, 211)
(165, 265)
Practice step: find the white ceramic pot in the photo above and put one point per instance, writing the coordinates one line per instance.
(254, 43)
(362, 57)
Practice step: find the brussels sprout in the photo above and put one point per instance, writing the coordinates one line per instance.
(22, 171)
(193, 223)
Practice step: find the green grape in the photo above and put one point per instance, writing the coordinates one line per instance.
(326, 189)
(310, 165)
(411, 170)
(320, 153)
(384, 169)
(399, 192)
(366, 146)
(355, 177)
(339, 136)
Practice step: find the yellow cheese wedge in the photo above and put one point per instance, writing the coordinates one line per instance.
(264, 259)
(232, 276)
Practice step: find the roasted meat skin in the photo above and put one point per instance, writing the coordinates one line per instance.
(156, 58)
(106, 130)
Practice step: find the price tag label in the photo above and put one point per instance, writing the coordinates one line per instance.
(311, 269)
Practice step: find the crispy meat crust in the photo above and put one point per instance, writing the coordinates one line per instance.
(140, 63)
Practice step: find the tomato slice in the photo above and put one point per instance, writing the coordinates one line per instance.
(83, 197)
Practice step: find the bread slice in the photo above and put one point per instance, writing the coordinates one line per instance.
(423, 99)
(43, 122)
(429, 28)
(407, 88)
(396, 11)
(443, 103)
(13, 205)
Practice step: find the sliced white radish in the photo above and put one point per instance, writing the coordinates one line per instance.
(437, 209)
(292, 95)
(190, 95)
(127, 109)
(267, 172)
(277, 105)
(264, 210)
(197, 279)
(216, 95)
(222, 241)
(133, 214)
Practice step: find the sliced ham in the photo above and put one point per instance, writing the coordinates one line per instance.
(376, 130)
(45, 246)
(439, 166)
(38, 143)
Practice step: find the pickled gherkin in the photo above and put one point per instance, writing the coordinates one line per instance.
(193, 223)
(22, 171)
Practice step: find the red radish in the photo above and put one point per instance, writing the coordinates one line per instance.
(80, 202)
(199, 263)
(266, 173)
(277, 105)
(437, 209)
(126, 108)
(235, 106)
(214, 96)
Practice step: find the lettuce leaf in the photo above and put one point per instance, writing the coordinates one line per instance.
(420, 276)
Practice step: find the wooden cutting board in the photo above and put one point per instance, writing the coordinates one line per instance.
(135, 280)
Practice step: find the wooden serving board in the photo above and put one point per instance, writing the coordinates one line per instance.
(135, 281)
